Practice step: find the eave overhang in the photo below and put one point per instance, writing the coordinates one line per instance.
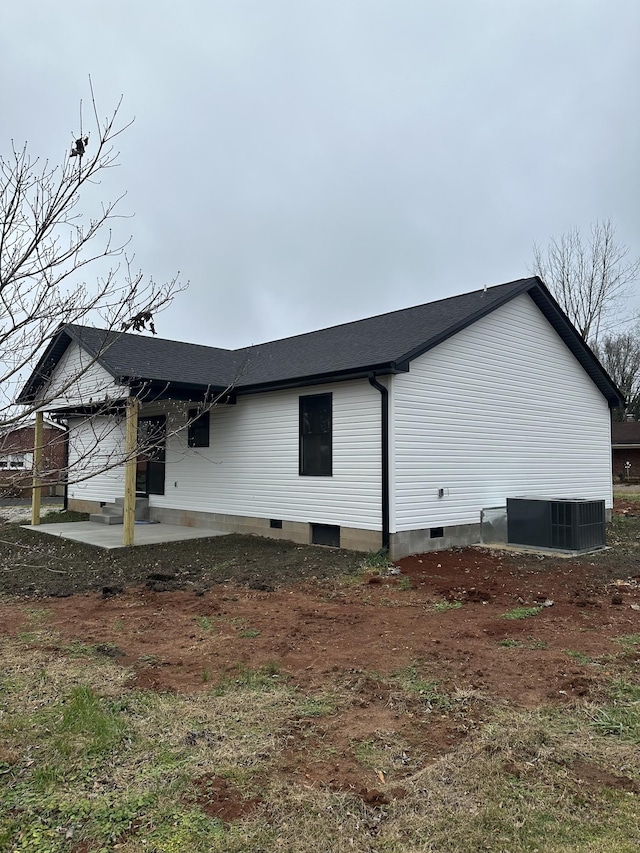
(43, 369)
(153, 391)
(577, 344)
(361, 372)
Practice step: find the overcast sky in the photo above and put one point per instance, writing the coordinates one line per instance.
(309, 163)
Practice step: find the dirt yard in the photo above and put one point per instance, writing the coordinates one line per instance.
(517, 628)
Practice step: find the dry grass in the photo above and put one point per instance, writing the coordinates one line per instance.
(89, 763)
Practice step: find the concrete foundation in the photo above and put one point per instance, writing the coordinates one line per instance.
(293, 531)
(401, 544)
(420, 541)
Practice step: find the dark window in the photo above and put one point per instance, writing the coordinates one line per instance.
(198, 430)
(150, 464)
(325, 534)
(436, 532)
(315, 436)
(276, 523)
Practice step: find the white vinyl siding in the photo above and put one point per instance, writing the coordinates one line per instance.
(79, 380)
(251, 465)
(96, 452)
(499, 410)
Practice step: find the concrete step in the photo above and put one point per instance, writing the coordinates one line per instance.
(111, 509)
(103, 518)
(114, 513)
(141, 511)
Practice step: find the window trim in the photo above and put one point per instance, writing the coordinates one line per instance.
(301, 435)
(197, 419)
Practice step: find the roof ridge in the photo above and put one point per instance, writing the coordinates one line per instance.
(138, 337)
(371, 317)
(390, 313)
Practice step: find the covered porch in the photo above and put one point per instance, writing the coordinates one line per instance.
(144, 416)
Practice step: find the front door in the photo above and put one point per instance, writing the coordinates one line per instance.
(152, 435)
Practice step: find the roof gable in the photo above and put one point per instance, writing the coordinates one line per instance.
(382, 344)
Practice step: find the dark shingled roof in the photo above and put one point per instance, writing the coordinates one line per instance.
(387, 340)
(382, 344)
(130, 356)
(626, 432)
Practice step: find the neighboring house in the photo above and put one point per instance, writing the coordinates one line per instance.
(393, 431)
(16, 458)
(625, 446)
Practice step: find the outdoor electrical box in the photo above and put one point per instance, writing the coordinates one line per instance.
(569, 524)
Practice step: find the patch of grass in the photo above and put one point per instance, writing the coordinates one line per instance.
(86, 725)
(377, 560)
(579, 657)
(628, 640)
(222, 566)
(209, 623)
(85, 771)
(367, 752)
(52, 823)
(405, 583)
(62, 516)
(521, 612)
(350, 579)
(627, 494)
(78, 649)
(259, 679)
(530, 643)
(624, 691)
(316, 706)
(444, 606)
(39, 637)
(622, 534)
(37, 615)
(191, 830)
(412, 681)
(621, 716)
(151, 659)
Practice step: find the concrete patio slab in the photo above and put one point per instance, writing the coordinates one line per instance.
(110, 536)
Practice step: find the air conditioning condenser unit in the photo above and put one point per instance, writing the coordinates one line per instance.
(567, 524)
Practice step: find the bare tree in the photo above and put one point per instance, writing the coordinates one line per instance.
(591, 279)
(49, 238)
(620, 356)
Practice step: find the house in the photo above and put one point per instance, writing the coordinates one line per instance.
(16, 458)
(393, 431)
(625, 447)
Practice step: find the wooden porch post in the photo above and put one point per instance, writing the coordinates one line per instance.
(131, 443)
(36, 491)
